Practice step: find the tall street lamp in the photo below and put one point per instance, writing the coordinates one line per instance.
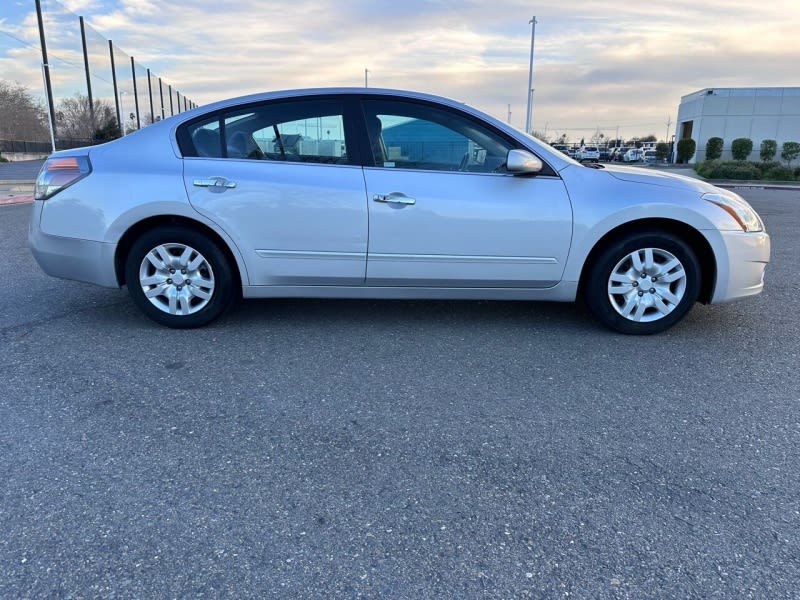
(529, 114)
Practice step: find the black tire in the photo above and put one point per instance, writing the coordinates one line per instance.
(639, 304)
(195, 303)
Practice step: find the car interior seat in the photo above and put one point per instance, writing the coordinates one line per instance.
(206, 143)
(242, 145)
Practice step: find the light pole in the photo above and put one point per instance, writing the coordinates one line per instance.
(529, 114)
(49, 113)
(366, 77)
(48, 88)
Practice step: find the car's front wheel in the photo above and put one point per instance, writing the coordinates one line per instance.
(643, 283)
(178, 277)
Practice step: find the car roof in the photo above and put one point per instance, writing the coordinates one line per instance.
(329, 91)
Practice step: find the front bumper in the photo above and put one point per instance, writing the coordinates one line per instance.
(743, 274)
(71, 258)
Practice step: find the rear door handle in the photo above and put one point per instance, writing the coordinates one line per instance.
(394, 198)
(215, 182)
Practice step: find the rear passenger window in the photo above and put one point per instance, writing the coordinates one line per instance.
(206, 140)
(311, 131)
(314, 139)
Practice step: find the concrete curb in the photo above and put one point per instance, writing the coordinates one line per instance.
(16, 191)
(758, 185)
(19, 182)
(15, 198)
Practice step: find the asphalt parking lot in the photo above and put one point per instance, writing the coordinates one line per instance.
(366, 449)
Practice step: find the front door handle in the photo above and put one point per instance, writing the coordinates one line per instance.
(393, 198)
(214, 182)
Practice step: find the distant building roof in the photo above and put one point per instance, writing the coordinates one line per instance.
(744, 91)
(417, 130)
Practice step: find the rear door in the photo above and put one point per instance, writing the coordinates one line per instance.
(278, 179)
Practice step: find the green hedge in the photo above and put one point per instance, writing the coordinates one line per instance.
(780, 173)
(686, 148)
(737, 170)
(728, 169)
(768, 165)
(741, 148)
(790, 151)
(714, 148)
(768, 150)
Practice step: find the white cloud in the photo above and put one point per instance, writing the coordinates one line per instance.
(597, 65)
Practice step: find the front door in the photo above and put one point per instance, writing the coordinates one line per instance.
(444, 212)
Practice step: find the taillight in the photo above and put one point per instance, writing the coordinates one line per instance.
(60, 172)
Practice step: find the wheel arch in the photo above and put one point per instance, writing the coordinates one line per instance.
(136, 230)
(696, 240)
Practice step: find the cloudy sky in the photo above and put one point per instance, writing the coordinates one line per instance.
(597, 65)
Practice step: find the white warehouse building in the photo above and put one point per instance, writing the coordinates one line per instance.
(756, 113)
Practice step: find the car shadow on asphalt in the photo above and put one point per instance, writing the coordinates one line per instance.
(538, 317)
(416, 313)
(345, 315)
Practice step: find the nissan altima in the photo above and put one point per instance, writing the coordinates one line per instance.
(370, 193)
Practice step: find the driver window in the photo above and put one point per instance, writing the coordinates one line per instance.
(407, 135)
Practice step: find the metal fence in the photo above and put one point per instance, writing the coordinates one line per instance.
(82, 79)
(25, 147)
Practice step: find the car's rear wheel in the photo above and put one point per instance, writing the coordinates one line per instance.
(643, 283)
(178, 277)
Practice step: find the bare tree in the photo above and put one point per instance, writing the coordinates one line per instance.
(76, 120)
(22, 117)
(539, 135)
(598, 138)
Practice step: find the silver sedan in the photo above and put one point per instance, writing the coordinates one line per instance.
(370, 193)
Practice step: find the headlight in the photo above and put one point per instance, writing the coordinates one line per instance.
(738, 208)
(58, 173)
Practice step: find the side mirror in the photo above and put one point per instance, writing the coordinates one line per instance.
(522, 162)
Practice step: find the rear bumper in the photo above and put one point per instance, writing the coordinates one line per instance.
(72, 258)
(743, 275)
